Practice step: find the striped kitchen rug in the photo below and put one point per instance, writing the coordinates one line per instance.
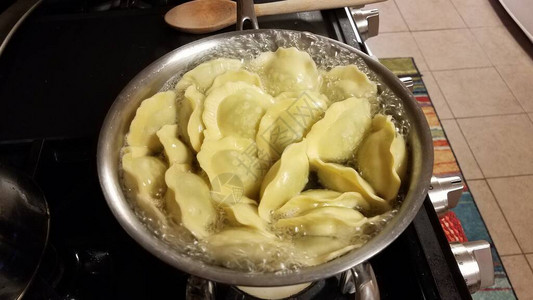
(464, 222)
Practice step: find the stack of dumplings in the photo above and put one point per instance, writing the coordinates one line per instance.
(268, 164)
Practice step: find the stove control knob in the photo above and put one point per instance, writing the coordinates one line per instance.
(445, 193)
(367, 22)
(475, 262)
(408, 82)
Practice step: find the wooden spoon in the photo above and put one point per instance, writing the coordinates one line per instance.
(203, 16)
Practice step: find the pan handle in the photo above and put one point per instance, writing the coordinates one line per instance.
(246, 12)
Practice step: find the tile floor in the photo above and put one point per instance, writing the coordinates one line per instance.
(478, 69)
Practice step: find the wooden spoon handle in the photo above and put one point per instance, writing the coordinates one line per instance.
(292, 6)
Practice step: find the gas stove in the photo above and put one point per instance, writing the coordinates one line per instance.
(60, 73)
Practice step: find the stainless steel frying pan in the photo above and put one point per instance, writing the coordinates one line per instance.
(153, 78)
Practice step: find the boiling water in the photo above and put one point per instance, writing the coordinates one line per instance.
(323, 51)
(326, 55)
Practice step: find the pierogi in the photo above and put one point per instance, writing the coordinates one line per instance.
(271, 162)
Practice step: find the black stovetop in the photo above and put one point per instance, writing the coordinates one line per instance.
(59, 75)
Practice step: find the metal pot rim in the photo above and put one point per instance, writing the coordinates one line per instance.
(421, 154)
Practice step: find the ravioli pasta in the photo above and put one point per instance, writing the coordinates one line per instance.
(286, 70)
(269, 164)
(335, 137)
(344, 82)
(293, 113)
(234, 109)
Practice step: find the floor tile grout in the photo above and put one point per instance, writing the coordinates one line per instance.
(427, 65)
(400, 31)
(490, 190)
(530, 264)
(470, 68)
(447, 119)
(459, 69)
(464, 69)
(508, 176)
(401, 15)
(403, 18)
(486, 26)
(508, 255)
(489, 116)
(522, 254)
(446, 99)
(469, 149)
(505, 217)
(440, 90)
(510, 89)
(458, 13)
(458, 28)
(479, 165)
(482, 48)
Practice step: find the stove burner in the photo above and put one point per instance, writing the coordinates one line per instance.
(359, 280)
(200, 289)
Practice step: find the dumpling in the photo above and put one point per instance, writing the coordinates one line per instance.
(237, 248)
(287, 121)
(144, 174)
(382, 158)
(316, 250)
(232, 160)
(226, 188)
(345, 179)
(335, 137)
(190, 121)
(287, 69)
(188, 201)
(175, 150)
(204, 74)
(320, 193)
(145, 177)
(324, 221)
(245, 214)
(234, 109)
(154, 112)
(285, 179)
(234, 76)
(348, 81)
(311, 199)
(136, 151)
(399, 152)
